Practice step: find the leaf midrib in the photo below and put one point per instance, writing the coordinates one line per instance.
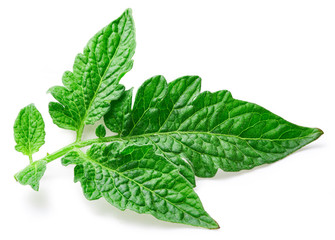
(208, 133)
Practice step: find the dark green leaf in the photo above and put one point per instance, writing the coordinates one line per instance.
(100, 131)
(118, 117)
(208, 130)
(94, 82)
(136, 178)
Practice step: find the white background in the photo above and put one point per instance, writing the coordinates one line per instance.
(279, 54)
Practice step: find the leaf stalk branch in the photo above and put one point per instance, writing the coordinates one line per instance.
(77, 144)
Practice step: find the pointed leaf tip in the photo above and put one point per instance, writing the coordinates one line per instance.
(320, 131)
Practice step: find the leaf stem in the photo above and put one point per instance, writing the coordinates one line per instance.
(77, 144)
(80, 133)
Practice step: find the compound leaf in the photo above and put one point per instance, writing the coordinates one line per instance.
(94, 82)
(136, 178)
(172, 133)
(203, 132)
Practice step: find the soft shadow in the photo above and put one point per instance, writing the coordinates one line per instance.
(309, 147)
(38, 200)
(103, 208)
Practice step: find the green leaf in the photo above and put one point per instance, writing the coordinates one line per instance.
(118, 117)
(100, 131)
(32, 174)
(148, 96)
(171, 133)
(208, 130)
(94, 82)
(29, 131)
(136, 178)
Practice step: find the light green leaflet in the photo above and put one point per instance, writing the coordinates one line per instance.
(29, 131)
(208, 130)
(137, 179)
(172, 133)
(32, 174)
(91, 86)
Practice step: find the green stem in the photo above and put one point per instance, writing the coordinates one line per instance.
(78, 144)
(80, 133)
(30, 159)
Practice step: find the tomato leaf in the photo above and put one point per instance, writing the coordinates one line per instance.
(94, 82)
(29, 131)
(208, 130)
(32, 174)
(135, 178)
